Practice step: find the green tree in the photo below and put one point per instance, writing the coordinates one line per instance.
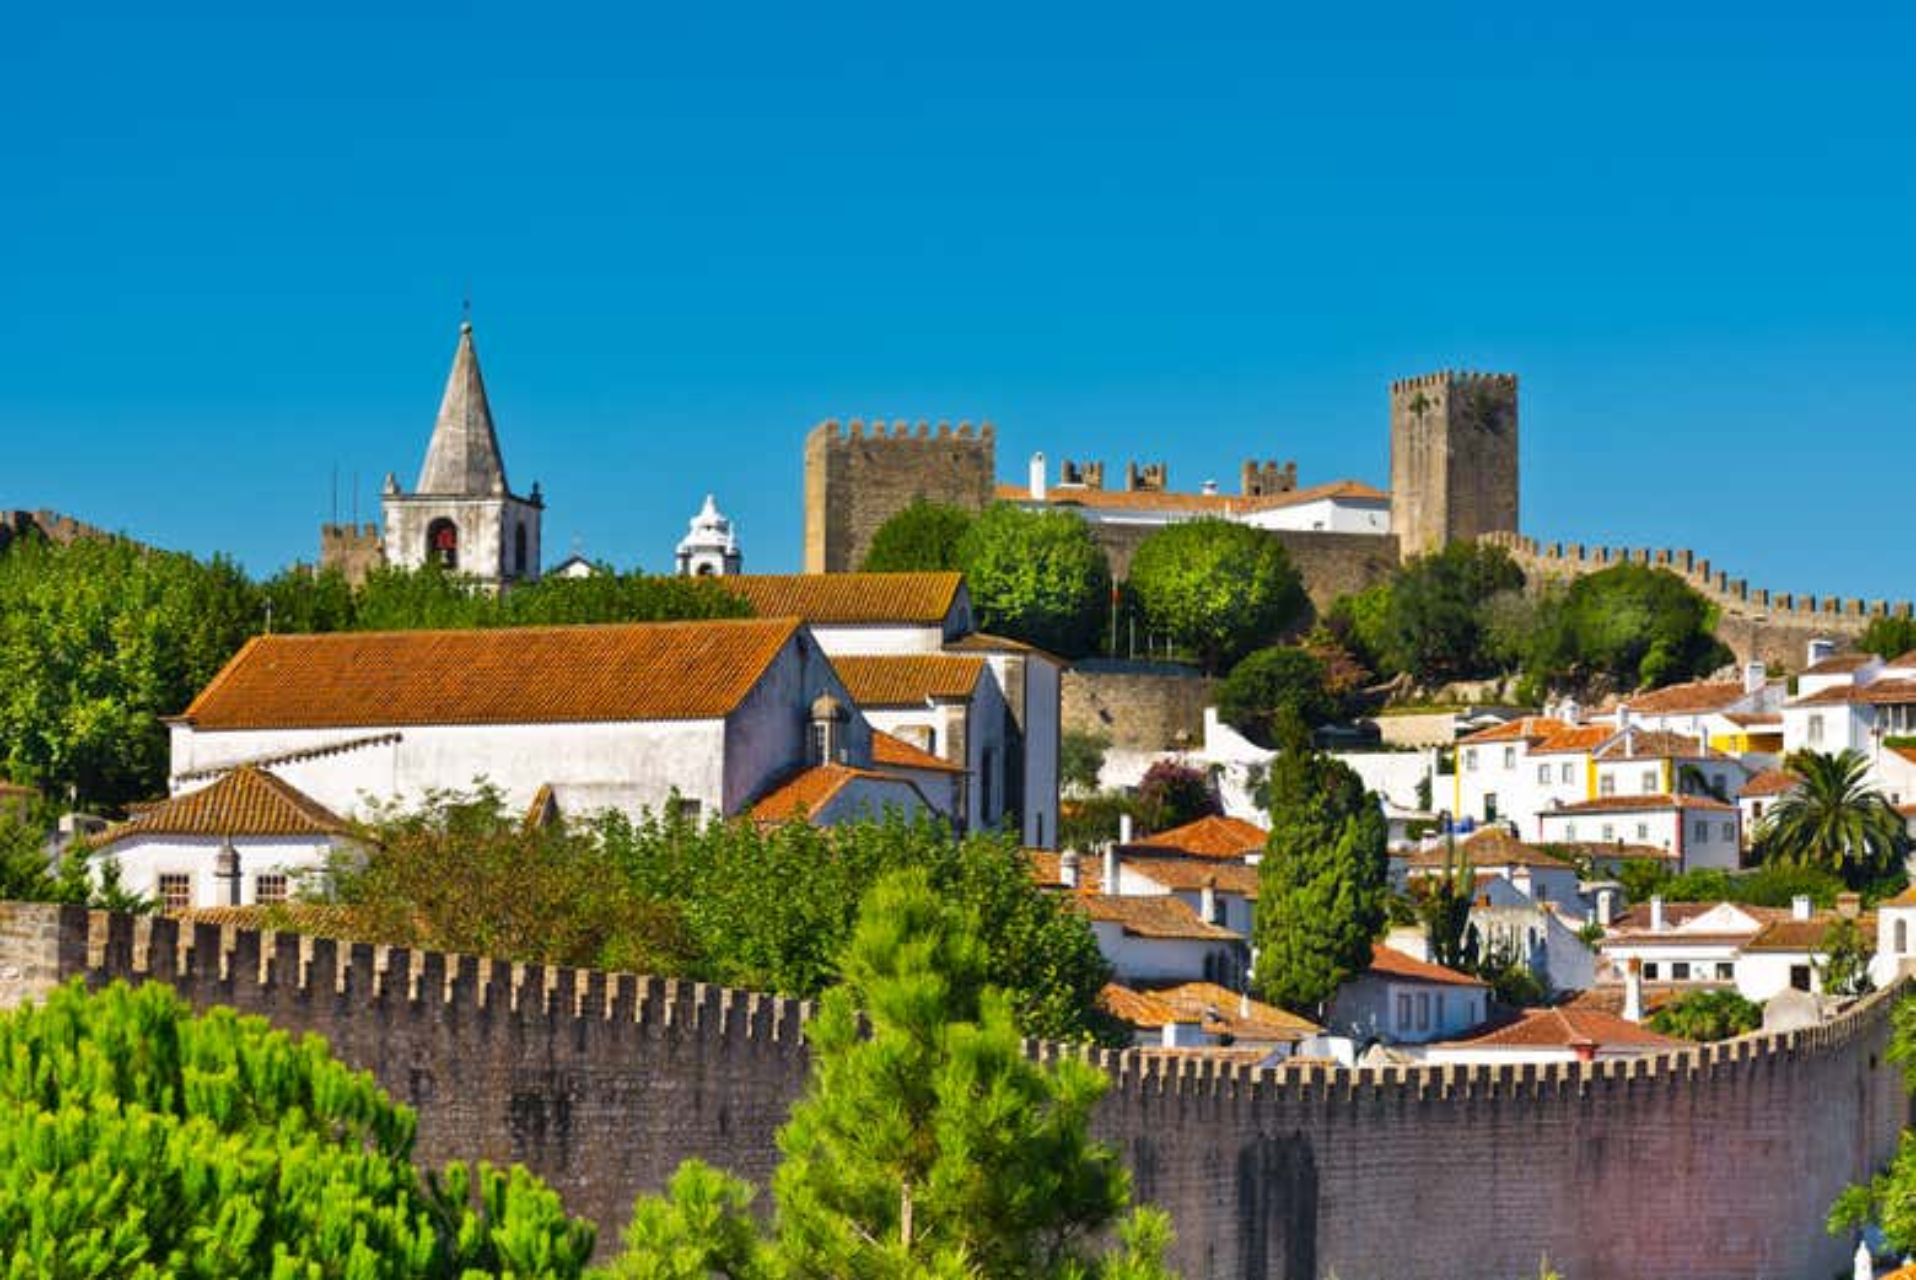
(1888, 637)
(1271, 684)
(1706, 1015)
(920, 536)
(1323, 881)
(927, 1144)
(1358, 622)
(1846, 952)
(1219, 588)
(1835, 820)
(140, 1139)
(1171, 794)
(1638, 626)
(1887, 1201)
(1433, 626)
(1445, 908)
(1082, 755)
(1038, 577)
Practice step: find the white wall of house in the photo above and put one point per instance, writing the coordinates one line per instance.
(143, 859)
(766, 737)
(869, 798)
(1334, 515)
(1895, 951)
(1830, 728)
(1040, 827)
(1762, 975)
(1151, 961)
(1698, 837)
(879, 638)
(1372, 1005)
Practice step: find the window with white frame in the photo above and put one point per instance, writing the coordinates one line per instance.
(1816, 730)
(1606, 831)
(1899, 937)
(270, 888)
(1606, 784)
(1566, 771)
(1546, 773)
(1726, 831)
(1723, 971)
(1649, 781)
(1507, 758)
(1682, 971)
(175, 891)
(1699, 828)
(1403, 1011)
(1469, 760)
(1649, 971)
(1424, 1013)
(1640, 831)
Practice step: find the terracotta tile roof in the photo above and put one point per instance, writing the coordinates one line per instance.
(1769, 782)
(848, 598)
(1580, 738)
(805, 793)
(1191, 875)
(1388, 963)
(1614, 849)
(1044, 866)
(1220, 504)
(1224, 1012)
(908, 679)
(1905, 753)
(322, 919)
(509, 675)
(1692, 697)
(1639, 917)
(1612, 997)
(1524, 728)
(1140, 1009)
(245, 802)
(983, 642)
(277, 758)
(1902, 662)
(1564, 1027)
(1489, 847)
(1899, 1273)
(1155, 916)
(1641, 804)
(898, 753)
(1904, 898)
(1214, 836)
(1878, 694)
(1840, 664)
(1806, 935)
(1656, 744)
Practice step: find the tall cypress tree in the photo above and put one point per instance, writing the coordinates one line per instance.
(1323, 881)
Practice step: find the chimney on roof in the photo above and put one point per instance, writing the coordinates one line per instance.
(1620, 720)
(1037, 477)
(1706, 744)
(1583, 1049)
(1802, 907)
(1110, 870)
(226, 866)
(1070, 868)
(1630, 1008)
(1657, 913)
(1522, 879)
(1753, 677)
(1210, 904)
(1126, 828)
(1848, 905)
(1606, 905)
(1210, 487)
(1819, 650)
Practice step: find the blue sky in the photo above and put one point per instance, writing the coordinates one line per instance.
(234, 242)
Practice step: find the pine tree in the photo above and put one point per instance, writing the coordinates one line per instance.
(1323, 880)
(928, 1144)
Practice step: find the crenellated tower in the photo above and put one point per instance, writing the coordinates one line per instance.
(1456, 458)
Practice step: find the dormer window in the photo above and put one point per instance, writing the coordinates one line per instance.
(826, 731)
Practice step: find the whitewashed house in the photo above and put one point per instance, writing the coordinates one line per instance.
(1851, 702)
(1689, 831)
(1402, 1000)
(1893, 954)
(950, 707)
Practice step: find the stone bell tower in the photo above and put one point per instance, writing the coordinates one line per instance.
(461, 514)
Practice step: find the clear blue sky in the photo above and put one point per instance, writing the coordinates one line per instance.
(234, 241)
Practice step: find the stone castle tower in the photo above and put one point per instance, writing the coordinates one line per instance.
(858, 475)
(461, 514)
(1456, 458)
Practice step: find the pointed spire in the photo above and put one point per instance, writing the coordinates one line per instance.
(464, 455)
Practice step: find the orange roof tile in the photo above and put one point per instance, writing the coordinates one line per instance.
(1388, 963)
(1839, 664)
(1692, 697)
(323, 919)
(984, 642)
(1878, 694)
(1641, 804)
(1526, 727)
(1214, 836)
(1905, 753)
(1769, 782)
(509, 675)
(1228, 1012)
(848, 598)
(908, 679)
(245, 802)
(1192, 874)
(1904, 899)
(1490, 847)
(1656, 744)
(898, 753)
(1615, 849)
(1576, 738)
(1140, 1009)
(1806, 935)
(805, 793)
(1565, 1027)
(1155, 916)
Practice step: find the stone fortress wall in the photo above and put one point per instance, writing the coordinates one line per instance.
(1771, 626)
(1712, 1162)
(859, 474)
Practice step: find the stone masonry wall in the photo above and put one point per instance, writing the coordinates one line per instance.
(859, 475)
(1772, 626)
(1331, 565)
(1136, 706)
(1712, 1162)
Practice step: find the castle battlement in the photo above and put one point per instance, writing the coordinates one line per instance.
(900, 429)
(1457, 378)
(1734, 595)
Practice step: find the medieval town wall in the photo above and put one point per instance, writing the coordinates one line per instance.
(1718, 1161)
(1136, 706)
(858, 475)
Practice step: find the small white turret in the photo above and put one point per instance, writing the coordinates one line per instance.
(710, 548)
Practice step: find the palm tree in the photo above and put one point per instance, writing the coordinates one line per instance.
(1834, 820)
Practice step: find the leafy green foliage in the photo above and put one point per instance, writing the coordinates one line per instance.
(1221, 589)
(1637, 626)
(1082, 755)
(927, 1144)
(1086, 821)
(1172, 794)
(920, 536)
(138, 1139)
(1835, 820)
(1846, 952)
(1038, 577)
(1706, 1015)
(1271, 684)
(1766, 886)
(1427, 620)
(1888, 637)
(1323, 881)
(1887, 1201)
